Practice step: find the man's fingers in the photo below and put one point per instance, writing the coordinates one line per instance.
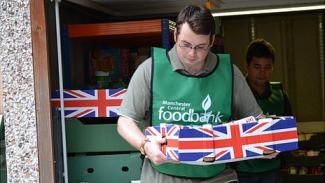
(268, 152)
(159, 140)
(271, 156)
(162, 140)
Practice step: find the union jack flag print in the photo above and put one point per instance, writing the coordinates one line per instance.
(234, 141)
(171, 133)
(90, 103)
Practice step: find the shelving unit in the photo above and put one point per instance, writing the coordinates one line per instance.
(96, 152)
(78, 38)
(302, 164)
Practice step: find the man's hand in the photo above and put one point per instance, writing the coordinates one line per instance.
(270, 155)
(153, 150)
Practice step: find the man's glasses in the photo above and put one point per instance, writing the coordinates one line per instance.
(198, 48)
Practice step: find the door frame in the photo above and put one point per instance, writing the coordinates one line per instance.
(40, 52)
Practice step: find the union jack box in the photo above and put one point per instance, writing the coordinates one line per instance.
(90, 103)
(235, 141)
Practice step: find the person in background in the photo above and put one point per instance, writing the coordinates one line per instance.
(176, 82)
(260, 59)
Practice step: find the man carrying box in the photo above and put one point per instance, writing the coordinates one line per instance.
(186, 85)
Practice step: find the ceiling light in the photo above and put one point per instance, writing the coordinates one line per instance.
(274, 10)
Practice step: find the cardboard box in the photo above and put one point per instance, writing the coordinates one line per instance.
(90, 103)
(239, 140)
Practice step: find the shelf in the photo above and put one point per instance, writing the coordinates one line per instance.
(115, 29)
(292, 159)
(304, 161)
(132, 33)
(315, 142)
(302, 178)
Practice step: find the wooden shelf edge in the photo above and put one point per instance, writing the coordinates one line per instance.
(128, 28)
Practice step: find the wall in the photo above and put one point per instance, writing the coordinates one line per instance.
(18, 91)
(1, 98)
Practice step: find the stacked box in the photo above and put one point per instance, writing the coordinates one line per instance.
(90, 103)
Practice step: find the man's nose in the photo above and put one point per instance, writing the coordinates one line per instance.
(192, 51)
(262, 72)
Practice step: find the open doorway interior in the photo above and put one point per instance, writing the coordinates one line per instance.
(3, 167)
(93, 144)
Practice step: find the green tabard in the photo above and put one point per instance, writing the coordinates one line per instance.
(274, 104)
(190, 100)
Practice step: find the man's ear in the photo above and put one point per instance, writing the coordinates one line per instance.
(212, 40)
(175, 35)
(246, 68)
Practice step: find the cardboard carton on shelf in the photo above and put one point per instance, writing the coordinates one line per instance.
(90, 103)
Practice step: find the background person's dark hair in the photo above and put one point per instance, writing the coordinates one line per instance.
(199, 19)
(261, 49)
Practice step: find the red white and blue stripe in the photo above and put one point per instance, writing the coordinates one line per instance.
(171, 133)
(90, 103)
(235, 141)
